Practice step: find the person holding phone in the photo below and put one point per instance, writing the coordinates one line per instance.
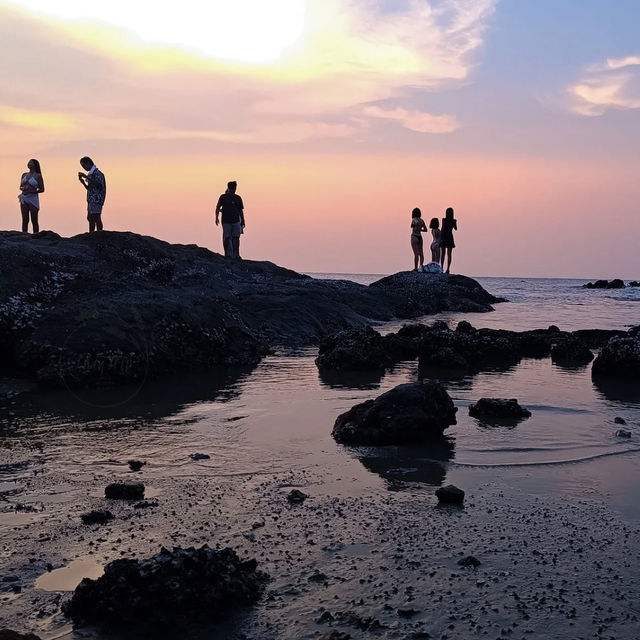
(96, 185)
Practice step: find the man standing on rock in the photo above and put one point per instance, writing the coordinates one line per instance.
(96, 185)
(232, 208)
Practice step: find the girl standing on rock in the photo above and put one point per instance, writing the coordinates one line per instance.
(417, 227)
(449, 223)
(31, 184)
(434, 225)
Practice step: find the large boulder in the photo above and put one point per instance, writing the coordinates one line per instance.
(353, 350)
(619, 357)
(409, 413)
(169, 589)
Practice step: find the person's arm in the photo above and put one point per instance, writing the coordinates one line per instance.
(242, 223)
(455, 224)
(40, 184)
(424, 226)
(83, 179)
(22, 185)
(218, 208)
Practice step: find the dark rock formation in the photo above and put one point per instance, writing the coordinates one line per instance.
(169, 589)
(409, 413)
(498, 408)
(135, 465)
(634, 283)
(570, 351)
(353, 349)
(8, 634)
(623, 433)
(619, 420)
(96, 517)
(200, 456)
(450, 494)
(620, 357)
(112, 308)
(616, 283)
(295, 496)
(124, 491)
(418, 294)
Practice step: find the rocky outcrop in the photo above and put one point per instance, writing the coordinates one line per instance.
(505, 408)
(111, 307)
(8, 634)
(167, 590)
(417, 294)
(571, 351)
(616, 283)
(620, 357)
(450, 494)
(409, 413)
(124, 491)
(462, 351)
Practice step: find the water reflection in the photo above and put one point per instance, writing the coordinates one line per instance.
(624, 390)
(351, 379)
(426, 463)
(151, 401)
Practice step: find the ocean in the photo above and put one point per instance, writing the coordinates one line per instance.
(269, 429)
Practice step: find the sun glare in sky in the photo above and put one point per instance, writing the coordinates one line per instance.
(250, 31)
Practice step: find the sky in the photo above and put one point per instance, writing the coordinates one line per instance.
(337, 118)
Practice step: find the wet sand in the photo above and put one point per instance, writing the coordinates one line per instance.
(550, 512)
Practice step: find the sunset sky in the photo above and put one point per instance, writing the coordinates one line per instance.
(337, 118)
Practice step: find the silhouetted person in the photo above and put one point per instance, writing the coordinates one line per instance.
(96, 185)
(434, 225)
(232, 208)
(417, 227)
(31, 184)
(449, 223)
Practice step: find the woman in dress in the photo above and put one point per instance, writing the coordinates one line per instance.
(417, 227)
(434, 225)
(449, 223)
(31, 184)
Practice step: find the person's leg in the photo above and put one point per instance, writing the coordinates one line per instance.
(98, 222)
(443, 251)
(414, 248)
(34, 219)
(449, 250)
(236, 246)
(91, 223)
(24, 210)
(421, 252)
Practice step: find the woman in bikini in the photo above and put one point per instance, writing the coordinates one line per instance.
(417, 227)
(31, 184)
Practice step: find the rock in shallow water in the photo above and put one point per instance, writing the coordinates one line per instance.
(169, 589)
(409, 413)
(498, 408)
(619, 357)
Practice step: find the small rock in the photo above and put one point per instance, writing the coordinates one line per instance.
(135, 465)
(296, 496)
(407, 613)
(450, 494)
(469, 561)
(200, 456)
(124, 491)
(619, 420)
(96, 517)
(623, 433)
(498, 408)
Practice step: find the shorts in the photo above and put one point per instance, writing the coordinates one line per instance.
(231, 230)
(94, 209)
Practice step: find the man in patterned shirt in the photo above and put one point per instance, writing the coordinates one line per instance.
(95, 184)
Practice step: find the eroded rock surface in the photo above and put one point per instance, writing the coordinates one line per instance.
(507, 408)
(620, 357)
(168, 589)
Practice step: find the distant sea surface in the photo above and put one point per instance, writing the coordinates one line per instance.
(536, 303)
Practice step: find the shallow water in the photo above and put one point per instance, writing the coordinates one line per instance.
(275, 422)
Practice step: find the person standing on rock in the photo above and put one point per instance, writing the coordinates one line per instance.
(417, 227)
(232, 208)
(434, 225)
(96, 185)
(31, 184)
(449, 223)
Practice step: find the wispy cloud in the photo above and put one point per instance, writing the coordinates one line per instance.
(614, 84)
(415, 120)
(352, 58)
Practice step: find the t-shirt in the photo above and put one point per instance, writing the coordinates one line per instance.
(231, 206)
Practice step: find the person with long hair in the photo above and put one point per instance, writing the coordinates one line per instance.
(417, 227)
(31, 185)
(447, 245)
(434, 225)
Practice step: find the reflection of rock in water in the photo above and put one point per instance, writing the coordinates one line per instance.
(351, 379)
(153, 400)
(618, 389)
(398, 465)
